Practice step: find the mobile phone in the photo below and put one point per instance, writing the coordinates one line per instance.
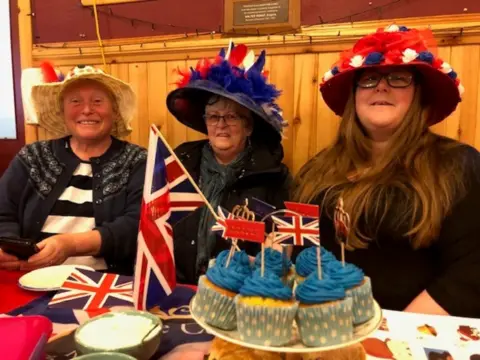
(21, 248)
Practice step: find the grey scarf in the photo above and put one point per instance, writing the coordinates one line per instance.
(215, 178)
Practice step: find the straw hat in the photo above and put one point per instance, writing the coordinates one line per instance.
(396, 46)
(42, 97)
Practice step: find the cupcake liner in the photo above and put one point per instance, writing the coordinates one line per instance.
(363, 307)
(265, 325)
(326, 324)
(214, 308)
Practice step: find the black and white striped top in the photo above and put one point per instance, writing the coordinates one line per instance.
(73, 213)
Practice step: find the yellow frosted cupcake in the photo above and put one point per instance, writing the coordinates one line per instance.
(265, 310)
(217, 289)
(324, 316)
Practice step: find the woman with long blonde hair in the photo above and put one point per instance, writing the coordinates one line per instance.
(413, 197)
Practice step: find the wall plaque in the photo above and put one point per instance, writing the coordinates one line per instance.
(107, 2)
(261, 16)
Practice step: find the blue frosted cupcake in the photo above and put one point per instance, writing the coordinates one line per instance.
(214, 302)
(222, 257)
(265, 310)
(306, 262)
(357, 286)
(275, 262)
(324, 316)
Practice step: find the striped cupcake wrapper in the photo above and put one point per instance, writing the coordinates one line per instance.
(326, 324)
(363, 306)
(214, 308)
(264, 325)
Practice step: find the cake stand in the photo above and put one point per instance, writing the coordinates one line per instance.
(361, 332)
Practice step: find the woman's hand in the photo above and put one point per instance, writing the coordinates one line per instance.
(53, 251)
(9, 262)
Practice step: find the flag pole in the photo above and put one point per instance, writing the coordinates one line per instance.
(207, 203)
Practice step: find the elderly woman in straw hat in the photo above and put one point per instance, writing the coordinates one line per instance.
(413, 197)
(229, 100)
(78, 196)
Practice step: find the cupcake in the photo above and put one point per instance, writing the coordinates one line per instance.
(306, 262)
(222, 257)
(324, 316)
(265, 310)
(277, 263)
(357, 286)
(217, 289)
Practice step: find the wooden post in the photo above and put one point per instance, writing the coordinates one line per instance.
(26, 44)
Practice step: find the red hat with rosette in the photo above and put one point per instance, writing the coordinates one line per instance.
(396, 46)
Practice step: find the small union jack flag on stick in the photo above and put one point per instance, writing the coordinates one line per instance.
(342, 227)
(308, 210)
(299, 230)
(245, 230)
(296, 230)
(90, 290)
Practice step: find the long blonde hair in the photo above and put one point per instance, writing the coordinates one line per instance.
(416, 165)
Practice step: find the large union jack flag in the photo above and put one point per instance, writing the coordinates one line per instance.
(90, 290)
(296, 230)
(168, 196)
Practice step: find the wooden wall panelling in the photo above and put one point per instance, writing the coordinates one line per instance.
(121, 71)
(281, 69)
(176, 131)
(138, 78)
(465, 60)
(327, 121)
(305, 101)
(444, 52)
(157, 93)
(26, 43)
(192, 135)
(293, 68)
(477, 121)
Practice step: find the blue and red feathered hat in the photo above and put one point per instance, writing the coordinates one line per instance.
(235, 75)
(396, 46)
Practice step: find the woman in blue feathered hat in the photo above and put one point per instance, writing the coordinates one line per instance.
(230, 101)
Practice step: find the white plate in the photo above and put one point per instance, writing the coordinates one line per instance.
(361, 332)
(48, 278)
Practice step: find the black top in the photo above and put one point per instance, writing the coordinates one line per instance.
(449, 269)
(263, 177)
(40, 173)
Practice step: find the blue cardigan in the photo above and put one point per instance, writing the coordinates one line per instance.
(40, 173)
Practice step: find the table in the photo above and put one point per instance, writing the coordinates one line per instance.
(401, 336)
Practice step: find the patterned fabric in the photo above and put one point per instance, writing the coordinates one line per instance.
(116, 171)
(90, 290)
(44, 168)
(181, 334)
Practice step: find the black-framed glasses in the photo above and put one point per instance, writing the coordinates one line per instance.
(214, 119)
(395, 79)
